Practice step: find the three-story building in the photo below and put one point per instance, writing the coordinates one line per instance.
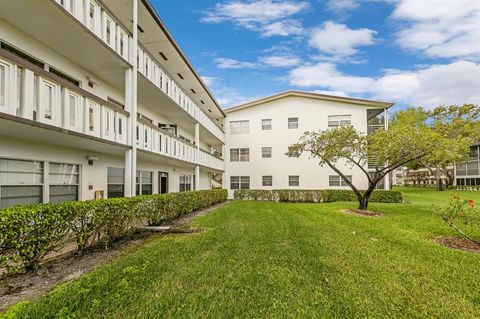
(259, 133)
(98, 100)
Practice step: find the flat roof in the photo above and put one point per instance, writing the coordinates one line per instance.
(326, 97)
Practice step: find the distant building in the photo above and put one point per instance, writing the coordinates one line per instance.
(468, 173)
(259, 133)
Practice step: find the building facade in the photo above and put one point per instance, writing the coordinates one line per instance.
(468, 173)
(98, 100)
(259, 133)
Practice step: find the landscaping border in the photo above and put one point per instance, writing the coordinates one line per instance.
(315, 196)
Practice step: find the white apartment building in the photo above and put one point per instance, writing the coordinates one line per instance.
(468, 173)
(259, 133)
(98, 100)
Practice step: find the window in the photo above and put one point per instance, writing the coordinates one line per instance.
(64, 76)
(2, 85)
(293, 122)
(21, 182)
(239, 182)
(239, 154)
(266, 124)
(293, 180)
(335, 180)
(266, 152)
(339, 120)
(63, 182)
(267, 180)
(185, 183)
(116, 182)
(239, 127)
(144, 183)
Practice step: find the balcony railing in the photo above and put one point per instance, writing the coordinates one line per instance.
(155, 73)
(30, 92)
(33, 93)
(209, 160)
(101, 22)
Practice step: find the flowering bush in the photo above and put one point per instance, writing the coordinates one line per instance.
(461, 211)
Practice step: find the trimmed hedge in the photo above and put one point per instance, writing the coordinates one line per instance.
(28, 233)
(315, 196)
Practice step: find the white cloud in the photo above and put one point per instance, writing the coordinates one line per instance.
(210, 80)
(226, 63)
(225, 95)
(269, 17)
(338, 39)
(429, 86)
(280, 60)
(340, 6)
(440, 28)
(283, 28)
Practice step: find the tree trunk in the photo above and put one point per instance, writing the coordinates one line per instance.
(439, 180)
(363, 203)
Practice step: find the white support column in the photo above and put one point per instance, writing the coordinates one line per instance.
(197, 156)
(128, 173)
(26, 110)
(131, 107)
(197, 177)
(133, 113)
(387, 178)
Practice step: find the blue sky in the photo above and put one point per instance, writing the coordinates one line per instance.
(411, 52)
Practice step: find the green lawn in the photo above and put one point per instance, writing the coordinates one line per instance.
(276, 260)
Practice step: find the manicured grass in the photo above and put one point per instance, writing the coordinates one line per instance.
(277, 260)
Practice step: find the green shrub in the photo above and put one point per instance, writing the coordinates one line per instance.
(338, 195)
(382, 196)
(315, 196)
(28, 233)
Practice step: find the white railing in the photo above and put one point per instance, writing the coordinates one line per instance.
(33, 96)
(154, 72)
(209, 160)
(98, 20)
(156, 140)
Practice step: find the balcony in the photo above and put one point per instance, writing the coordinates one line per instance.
(153, 139)
(37, 98)
(156, 75)
(77, 29)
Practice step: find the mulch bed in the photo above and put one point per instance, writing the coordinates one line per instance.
(360, 212)
(29, 286)
(458, 243)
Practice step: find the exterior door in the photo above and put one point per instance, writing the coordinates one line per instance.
(163, 182)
